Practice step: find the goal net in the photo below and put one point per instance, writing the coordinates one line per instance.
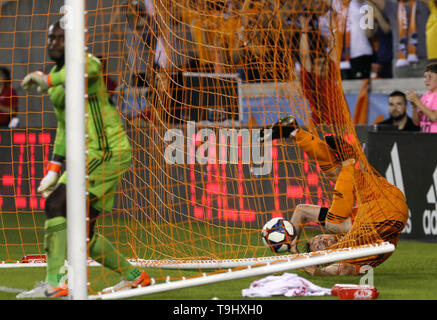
(194, 82)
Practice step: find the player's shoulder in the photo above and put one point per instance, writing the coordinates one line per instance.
(94, 64)
(93, 60)
(56, 68)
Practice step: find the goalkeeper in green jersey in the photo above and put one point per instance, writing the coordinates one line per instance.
(108, 157)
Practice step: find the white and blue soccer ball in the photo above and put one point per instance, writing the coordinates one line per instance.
(278, 234)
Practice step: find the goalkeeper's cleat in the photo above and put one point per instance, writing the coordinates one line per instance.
(342, 149)
(44, 290)
(142, 280)
(281, 129)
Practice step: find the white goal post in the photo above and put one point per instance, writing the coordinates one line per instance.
(74, 26)
(276, 264)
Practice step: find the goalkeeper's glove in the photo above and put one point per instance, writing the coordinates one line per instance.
(48, 183)
(36, 80)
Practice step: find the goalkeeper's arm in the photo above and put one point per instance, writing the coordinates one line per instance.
(336, 269)
(305, 213)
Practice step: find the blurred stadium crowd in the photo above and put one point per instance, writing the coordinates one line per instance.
(382, 39)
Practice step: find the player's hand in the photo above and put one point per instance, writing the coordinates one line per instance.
(293, 247)
(412, 96)
(311, 270)
(35, 80)
(49, 182)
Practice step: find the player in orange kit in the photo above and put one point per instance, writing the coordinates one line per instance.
(382, 211)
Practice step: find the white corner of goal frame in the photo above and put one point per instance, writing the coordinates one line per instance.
(269, 265)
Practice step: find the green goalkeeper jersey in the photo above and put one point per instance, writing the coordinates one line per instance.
(105, 131)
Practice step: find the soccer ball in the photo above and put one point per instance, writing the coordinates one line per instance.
(278, 234)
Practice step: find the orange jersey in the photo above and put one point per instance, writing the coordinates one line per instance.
(378, 200)
(343, 199)
(382, 210)
(381, 216)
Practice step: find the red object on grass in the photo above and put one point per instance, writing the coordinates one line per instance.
(354, 292)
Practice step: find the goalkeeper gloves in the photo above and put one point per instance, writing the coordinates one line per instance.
(36, 80)
(48, 183)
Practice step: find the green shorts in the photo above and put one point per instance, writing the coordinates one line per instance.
(104, 173)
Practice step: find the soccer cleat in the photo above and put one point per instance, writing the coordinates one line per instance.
(281, 129)
(143, 280)
(343, 149)
(44, 290)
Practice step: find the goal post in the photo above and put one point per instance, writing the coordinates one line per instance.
(75, 119)
(275, 265)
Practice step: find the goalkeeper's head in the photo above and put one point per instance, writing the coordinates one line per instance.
(55, 43)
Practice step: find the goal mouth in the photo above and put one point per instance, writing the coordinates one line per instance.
(243, 268)
(177, 111)
(39, 260)
(187, 264)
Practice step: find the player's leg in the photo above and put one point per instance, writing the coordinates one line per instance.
(281, 129)
(343, 149)
(104, 252)
(314, 147)
(102, 185)
(317, 150)
(55, 246)
(55, 234)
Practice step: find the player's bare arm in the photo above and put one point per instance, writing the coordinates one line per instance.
(336, 269)
(303, 214)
